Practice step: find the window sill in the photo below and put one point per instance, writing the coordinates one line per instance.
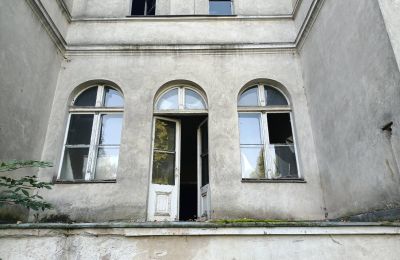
(84, 181)
(282, 180)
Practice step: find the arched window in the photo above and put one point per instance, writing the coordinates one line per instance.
(92, 142)
(180, 98)
(266, 138)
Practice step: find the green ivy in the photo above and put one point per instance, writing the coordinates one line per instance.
(23, 191)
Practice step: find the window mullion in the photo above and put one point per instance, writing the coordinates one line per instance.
(92, 149)
(181, 98)
(100, 96)
(261, 95)
(267, 155)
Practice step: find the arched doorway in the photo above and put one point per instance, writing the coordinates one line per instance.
(179, 186)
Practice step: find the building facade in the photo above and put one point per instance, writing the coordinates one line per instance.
(174, 110)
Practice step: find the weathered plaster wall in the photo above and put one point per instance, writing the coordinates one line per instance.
(222, 77)
(390, 10)
(244, 243)
(158, 31)
(353, 89)
(29, 66)
(122, 8)
(262, 7)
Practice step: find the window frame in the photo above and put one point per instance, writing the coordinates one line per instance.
(232, 6)
(97, 111)
(145, 10)
(264, 110)
(181, 101)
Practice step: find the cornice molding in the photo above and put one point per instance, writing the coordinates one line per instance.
(223, 49)
(49, 25)
(65, 10)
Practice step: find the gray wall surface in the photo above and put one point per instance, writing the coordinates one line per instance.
(140, 76)
(311, 243)
(353, 89)
(122, 8)
(29, 66)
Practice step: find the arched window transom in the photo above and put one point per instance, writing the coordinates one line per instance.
(267, 144)
(91, 147)
(180, 98)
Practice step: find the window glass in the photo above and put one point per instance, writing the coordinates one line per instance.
(249, 127)
(113, 98)
(274, 97)
(249, 98)
(87, 98)
(164, 138)
(279, 128)
(107, 163)
(220, 7)
(169, 100)
(252, 159)
(163, 168)
(74, 164)
(285, 162)
(111, 126)
(80, 129)
(193, 100)
(143, 7)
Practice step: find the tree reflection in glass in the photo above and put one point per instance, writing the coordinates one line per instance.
(164, 153)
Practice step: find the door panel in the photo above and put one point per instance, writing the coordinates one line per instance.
(204, 200)
(163, 201)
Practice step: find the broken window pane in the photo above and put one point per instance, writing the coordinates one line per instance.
(107, 163)
(252, 159)
(249, 128)
(74, 164)
(274, 97)
(169, 100)
(111, 125)
(193, 100)
(163, 168)
(279, 128)
(249, 98)
(220, 7)
(113, 98)
(284, 163)
(80, 129)
(87, 98)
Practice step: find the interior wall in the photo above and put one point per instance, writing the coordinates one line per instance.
(352, 86)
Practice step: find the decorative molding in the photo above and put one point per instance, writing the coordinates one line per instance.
(49, 25)
(65, 10)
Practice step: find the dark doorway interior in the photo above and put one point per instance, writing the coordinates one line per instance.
(188, 185)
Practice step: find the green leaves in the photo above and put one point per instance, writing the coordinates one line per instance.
(23, 191)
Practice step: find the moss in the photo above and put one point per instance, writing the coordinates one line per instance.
(56, 218)
(248, 220)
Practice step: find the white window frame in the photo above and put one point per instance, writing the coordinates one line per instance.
(181, 101)
(98, 110)
(264, 110)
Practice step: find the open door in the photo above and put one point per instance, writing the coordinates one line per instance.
(203, 180)
(163, 201)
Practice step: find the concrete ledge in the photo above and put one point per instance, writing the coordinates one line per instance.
(202, 225)
(269, 240)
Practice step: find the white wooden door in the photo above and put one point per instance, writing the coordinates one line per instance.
(163, 203)
(203, 201)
